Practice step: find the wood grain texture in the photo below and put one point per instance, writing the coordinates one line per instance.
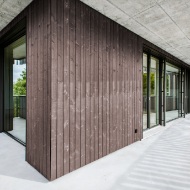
(38, 147)
(78, 85)
(97, 96)
(84, 85)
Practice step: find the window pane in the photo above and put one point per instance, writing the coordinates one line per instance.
(154, 91)
(15, 89)
(172, 91)
(144, 91)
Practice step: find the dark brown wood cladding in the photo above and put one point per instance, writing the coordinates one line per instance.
(96, 96)
(39, 65)
(84, 85)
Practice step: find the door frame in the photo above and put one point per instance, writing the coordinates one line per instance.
(162, 87)
(12, 35)
(149, 55)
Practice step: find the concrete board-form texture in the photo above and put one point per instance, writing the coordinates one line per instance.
(84, 85)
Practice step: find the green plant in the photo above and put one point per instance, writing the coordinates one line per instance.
(19, 88)
(152, 83)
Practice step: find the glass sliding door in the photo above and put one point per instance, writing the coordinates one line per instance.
(150, 91)
(164, 91)
(172, 83)
(154, 91)
(15, 89)
(182, 94)
(145, 98)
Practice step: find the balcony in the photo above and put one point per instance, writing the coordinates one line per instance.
(159, 161)
(19, 119)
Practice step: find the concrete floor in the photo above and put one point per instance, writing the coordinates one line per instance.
(159, 162)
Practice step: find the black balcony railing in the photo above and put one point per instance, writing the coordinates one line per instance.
(19, 106)
(171, 103)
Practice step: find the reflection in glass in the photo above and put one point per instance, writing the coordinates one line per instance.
(15, 89)
(150, 72)
(154, 91)
(172, 91)
(144, 91)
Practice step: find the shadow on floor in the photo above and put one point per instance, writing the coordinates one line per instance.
(166, 165)
(13, 164)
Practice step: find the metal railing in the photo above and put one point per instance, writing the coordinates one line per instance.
(171, 103)
(19, 106)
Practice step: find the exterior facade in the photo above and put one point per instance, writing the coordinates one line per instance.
(92, 85)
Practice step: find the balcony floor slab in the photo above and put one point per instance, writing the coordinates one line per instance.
(160, 161)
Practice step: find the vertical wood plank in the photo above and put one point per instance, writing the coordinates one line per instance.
(111, 88)
(78, 84)
(60, 95)
(130, 89)
(54, 89)
(122, 88)
(32, 136)
(136, 114)
(117, 87)
(104, 70)
(96, 79)
(87, 82)
(66, 86)
(48, 130)
(83, 89)
(92, 87)
(108, 85)
(125, 52)
(40, 83)
(35, 71)
(72, 84)
(133, 88)
(140, 87)
(120, 44)
(100, 124)
(114, 88)
(45, 78)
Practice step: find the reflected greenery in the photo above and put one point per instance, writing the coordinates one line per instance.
(19, 88)
(152, 84)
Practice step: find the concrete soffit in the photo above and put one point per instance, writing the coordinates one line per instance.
(162, 22)
(9, 9)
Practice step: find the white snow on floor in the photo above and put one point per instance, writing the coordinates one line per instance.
(161, 161)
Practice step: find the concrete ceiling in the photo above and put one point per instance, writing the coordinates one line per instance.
(162, 22)
(9, 9)
(19, 52)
